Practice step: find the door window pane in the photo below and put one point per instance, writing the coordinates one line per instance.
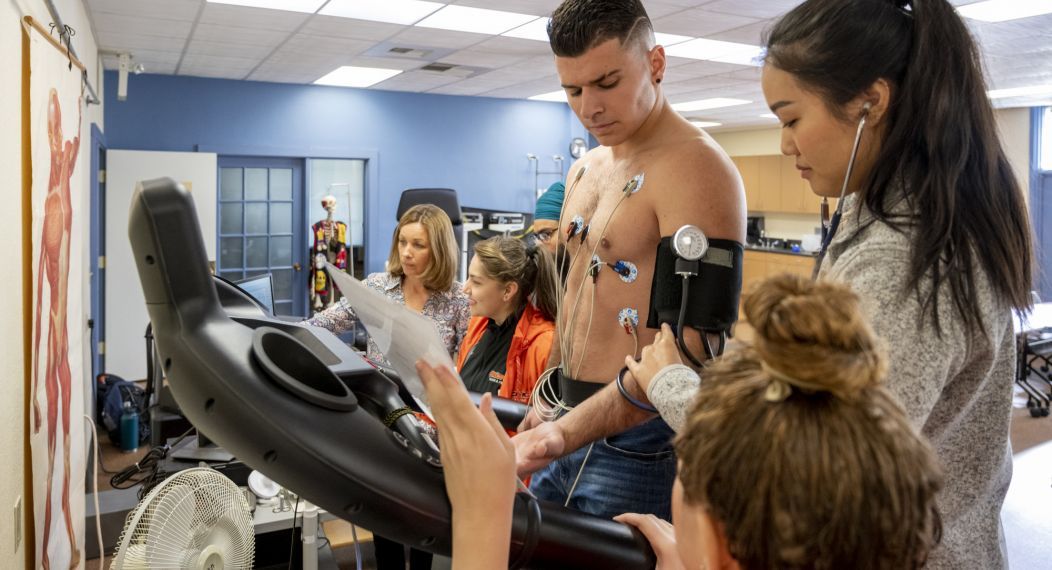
(231, 249)
(280, 183)
(283, 308)
(230, 218)
(255, 183)
(256, 251)
(281, 251)
(232, 275)
(230, 184)
(281, 218)
(255, 218)
(282, 284)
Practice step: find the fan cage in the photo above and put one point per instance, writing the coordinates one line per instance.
(194, 510)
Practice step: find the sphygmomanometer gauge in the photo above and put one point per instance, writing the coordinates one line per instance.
(689, 243)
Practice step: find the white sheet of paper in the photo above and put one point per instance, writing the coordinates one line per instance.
(402, 335)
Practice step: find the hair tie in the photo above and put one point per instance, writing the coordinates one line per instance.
(782, 384)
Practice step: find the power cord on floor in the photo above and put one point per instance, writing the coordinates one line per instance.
(292, 539)
(98, 515)
(147, 471)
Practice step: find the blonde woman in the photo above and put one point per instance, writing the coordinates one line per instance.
(420, 270)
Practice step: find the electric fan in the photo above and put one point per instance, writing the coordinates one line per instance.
(196, 519)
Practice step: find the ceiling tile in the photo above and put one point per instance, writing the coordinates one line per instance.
(166, 9)
(211, 48)
(535, 7)
(106, 22)
(700, 23)
(480, 58)
(763, 9)
(324, 45)
(351, 28)
(516, 46)
(428, 37)
(246, 17)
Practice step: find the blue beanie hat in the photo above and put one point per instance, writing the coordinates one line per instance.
(550, 203)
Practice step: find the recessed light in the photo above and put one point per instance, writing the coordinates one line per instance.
(1004, 10)
(557, 96)
(305, 6)
(404, 12)
(477, 20)
(705, 124)
(670, 39)
(713, 103)
(535, 30)
(1033, 90)
(350, 76)
(716, 50)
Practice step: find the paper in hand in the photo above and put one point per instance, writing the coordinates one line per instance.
(402, 335)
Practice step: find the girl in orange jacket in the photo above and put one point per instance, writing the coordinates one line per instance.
(512, 290)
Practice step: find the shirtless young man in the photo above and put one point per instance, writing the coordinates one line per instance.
(612, 72)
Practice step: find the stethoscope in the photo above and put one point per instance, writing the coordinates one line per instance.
(829, 231)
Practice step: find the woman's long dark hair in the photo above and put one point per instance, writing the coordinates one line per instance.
(940, 146)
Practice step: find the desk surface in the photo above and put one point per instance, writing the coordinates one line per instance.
(265, 520)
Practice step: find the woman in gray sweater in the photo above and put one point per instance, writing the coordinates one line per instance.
(883, 103)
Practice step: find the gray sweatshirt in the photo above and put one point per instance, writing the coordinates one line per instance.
(956, 388)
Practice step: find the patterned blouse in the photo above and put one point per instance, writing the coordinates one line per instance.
(447, 309)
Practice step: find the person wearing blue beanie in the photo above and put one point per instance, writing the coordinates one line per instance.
(546, 216)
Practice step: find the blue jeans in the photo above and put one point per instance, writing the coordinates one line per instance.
(631, 472)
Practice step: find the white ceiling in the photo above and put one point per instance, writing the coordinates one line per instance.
(195, 37)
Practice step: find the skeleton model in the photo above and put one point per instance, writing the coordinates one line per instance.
(330, 244)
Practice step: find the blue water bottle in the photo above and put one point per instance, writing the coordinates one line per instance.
(129, 429)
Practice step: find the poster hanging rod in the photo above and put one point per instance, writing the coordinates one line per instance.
(69, 52)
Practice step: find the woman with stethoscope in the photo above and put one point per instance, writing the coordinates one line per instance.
(883, 105)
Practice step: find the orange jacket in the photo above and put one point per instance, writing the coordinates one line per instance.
(527, 355)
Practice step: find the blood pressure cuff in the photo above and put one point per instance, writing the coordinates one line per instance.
(714, 292)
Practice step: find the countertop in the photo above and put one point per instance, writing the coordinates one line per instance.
(781, 251)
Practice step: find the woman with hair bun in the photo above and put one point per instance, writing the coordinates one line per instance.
(794, 455)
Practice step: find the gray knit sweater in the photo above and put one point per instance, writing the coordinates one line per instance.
(956, 388)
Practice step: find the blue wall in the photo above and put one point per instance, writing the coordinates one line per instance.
(476, 145)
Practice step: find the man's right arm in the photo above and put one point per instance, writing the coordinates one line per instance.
(605, 413)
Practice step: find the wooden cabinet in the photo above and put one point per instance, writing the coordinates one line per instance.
(773, 185)
(759, 265)
(749, 167)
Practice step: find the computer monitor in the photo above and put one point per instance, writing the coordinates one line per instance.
(260, 288)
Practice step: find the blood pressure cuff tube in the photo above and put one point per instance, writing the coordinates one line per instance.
(714, 292)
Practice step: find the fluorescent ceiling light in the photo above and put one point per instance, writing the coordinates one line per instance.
(769, 116)
(670, 39)
(404, 12)
(703, 104)
(716, 50)
(557, 96)
(349, 76)
(535, 30)
(705, 124)
(1033, 90)
(1004, 10)
(306, 6)
(477, 20)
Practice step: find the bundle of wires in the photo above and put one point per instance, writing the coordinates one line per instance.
(146, 471)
